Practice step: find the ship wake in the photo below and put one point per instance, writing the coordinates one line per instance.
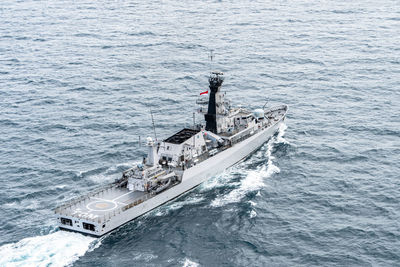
(55, 249)
(254, 180)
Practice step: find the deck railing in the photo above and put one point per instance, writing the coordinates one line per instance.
(118, 211)
(66, 208)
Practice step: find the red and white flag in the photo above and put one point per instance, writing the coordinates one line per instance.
(203, 93)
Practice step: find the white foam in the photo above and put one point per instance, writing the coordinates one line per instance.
(219, 180)
(253, 203)
(271, 169)
(180, 204)
(253, 213)
(163, 210)
(110, 174)
(13, 204)
(144, 256)
(56, 249)
(102, 178)
(254, 180)
(127, 165)
(189, 263)
(222, 179)
(281, 133)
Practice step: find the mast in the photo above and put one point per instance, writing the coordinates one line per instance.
(154, 126)
(215, 81)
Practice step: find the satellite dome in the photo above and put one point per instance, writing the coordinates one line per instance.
(258, 113)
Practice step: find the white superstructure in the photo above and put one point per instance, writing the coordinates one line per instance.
(175, 165)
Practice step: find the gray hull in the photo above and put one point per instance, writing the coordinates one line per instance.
(117, 215)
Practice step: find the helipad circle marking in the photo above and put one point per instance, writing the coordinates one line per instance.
(101, 205)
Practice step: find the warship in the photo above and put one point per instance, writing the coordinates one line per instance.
(176, 164)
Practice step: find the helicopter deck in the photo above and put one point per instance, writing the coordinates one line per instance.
(101, 205)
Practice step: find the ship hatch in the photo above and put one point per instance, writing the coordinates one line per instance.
(88, 226)
(66, 221)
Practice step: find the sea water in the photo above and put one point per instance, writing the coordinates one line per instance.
(78, 80)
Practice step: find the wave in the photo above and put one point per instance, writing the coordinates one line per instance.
(63, 248)
(106, 175)
(253, 214)
(55, 249)
(281, 132)
(176, 205)
(254, 180)
(219, 180)
(189, 263)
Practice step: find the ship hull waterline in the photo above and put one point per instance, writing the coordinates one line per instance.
(192, 178)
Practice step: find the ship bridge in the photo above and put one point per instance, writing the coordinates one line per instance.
(181, 136)
(181, 147)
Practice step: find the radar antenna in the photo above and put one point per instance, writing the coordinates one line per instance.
(154, 126)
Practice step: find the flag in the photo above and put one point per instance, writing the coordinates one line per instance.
(203, 93)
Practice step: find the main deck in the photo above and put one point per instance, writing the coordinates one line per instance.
(113, 205)
(102, 204)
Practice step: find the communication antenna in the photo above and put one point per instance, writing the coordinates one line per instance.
(211, 57)
(154, 126)
(265, 104)
(194, 120)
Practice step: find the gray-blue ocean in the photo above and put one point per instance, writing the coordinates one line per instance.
(78, 80)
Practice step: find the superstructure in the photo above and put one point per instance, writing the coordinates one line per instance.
(175, 164)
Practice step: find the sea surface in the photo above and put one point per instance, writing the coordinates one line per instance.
(78, 80)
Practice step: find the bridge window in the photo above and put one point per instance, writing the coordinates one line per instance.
(66, 221)
(88, 226)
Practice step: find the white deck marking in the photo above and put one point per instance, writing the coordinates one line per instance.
(93, 209)
(97, 198)
(122, 195)
(118, 202)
